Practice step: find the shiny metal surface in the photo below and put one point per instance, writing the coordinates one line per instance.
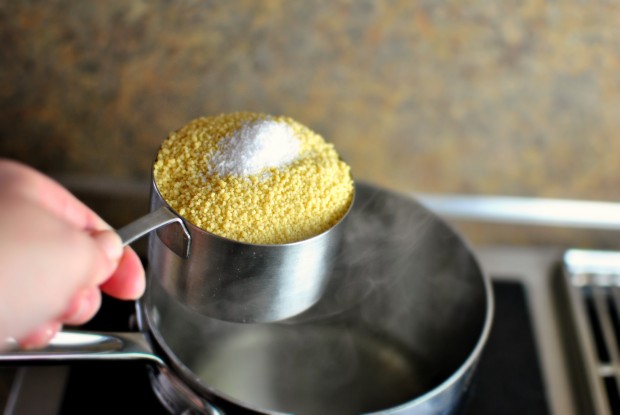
(237, 281)
(591, 281)
(76, 346)
(526, 211)
(152, 221)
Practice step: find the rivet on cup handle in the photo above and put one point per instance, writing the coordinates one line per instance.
(152, 221)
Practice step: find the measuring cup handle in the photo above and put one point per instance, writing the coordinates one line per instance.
(154, 220)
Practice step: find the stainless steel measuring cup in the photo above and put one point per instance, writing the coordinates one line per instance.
(231, 280)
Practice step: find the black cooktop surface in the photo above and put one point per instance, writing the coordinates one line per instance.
(508, 379)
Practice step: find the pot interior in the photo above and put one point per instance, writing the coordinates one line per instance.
(405, 308)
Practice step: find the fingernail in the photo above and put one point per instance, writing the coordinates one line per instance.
(110, 243)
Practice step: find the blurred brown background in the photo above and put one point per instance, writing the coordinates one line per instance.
(477, 97)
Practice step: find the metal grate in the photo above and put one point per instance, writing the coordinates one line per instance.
(593, 279)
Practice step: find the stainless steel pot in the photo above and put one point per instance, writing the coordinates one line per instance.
(399, 330)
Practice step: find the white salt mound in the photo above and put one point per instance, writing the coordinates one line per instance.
(254, 147)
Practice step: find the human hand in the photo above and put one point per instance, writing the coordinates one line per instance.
(56, 257)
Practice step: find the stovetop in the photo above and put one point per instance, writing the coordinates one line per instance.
(509, 379)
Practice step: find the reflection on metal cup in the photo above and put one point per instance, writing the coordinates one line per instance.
(237, 281)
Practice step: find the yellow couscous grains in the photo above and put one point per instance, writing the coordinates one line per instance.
(279, 205)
